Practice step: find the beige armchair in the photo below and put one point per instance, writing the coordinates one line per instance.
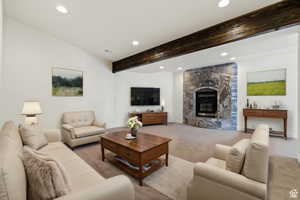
(237, 172)
(80, 128)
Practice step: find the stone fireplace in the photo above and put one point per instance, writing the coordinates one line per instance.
(207, 102)
(210, 97)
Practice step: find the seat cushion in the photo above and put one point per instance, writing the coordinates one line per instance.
(216, 163)
(257, 155)
(88, 131)
(236, 156)
(80, 173)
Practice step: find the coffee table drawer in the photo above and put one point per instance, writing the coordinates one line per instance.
(128, 154)
(154, 153)
(109, 145)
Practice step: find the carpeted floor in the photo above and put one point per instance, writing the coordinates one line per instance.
(196, 145)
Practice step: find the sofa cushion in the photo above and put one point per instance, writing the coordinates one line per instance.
(236, 156)
(257, 155)
(80, 173)
(46, 177)
(33, 136)
(12, 174)
(216, 163)
(88, 131)
(79, 119)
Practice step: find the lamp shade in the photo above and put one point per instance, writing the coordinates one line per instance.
(31, 108)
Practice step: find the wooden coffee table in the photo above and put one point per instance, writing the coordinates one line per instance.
(145, 149)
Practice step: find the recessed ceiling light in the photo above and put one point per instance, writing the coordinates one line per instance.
(232, 58)
(161, 67)
(224, 54)
(180, 68)
(135, 43)
(62, 9)
(223, 3)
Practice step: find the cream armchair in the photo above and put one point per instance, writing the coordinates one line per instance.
(80, 128)
(237, 172)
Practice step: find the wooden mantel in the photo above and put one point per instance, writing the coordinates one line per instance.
(271, 18)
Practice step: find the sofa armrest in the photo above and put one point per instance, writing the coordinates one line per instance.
(221, 151)
(230, 179)
(99, 124)
(53, 135)
(118, 187)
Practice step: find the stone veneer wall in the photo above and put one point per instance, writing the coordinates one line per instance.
(222, 78)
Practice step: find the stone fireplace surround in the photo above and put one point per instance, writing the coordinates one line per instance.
(223, 80)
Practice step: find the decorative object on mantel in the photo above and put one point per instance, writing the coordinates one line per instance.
(162, 105)
(268, 113)
(267, 83)
(134, 124)
(67, 82)
(30, 110)
(276, 105)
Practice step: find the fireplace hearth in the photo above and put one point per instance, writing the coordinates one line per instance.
(207, 103)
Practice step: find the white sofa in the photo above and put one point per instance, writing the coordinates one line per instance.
(86, 183)
(80, 128)
(212, 180)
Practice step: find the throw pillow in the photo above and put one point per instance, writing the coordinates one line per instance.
(46, 177)
(33, 136)
(236, 156)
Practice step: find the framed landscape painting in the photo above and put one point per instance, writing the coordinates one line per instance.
(267, 83)
(67, 82)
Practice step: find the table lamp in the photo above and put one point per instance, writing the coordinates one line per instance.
(30, 110)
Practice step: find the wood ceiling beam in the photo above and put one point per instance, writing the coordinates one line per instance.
(271, 18)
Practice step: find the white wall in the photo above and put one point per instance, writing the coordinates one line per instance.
(276, 60)
(125, 80)
(29, 56)
(298, 103)
(178, 97)
(1, 37)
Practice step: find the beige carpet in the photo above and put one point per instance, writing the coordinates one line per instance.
(194, 145)
(172, 180)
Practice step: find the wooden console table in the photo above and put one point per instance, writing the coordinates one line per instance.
(265, 113)
(150, 118)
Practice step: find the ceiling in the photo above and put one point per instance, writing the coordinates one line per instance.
(244, 50)
(96, 25)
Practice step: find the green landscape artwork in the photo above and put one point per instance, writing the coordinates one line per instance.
(66, 82)
(267, 83)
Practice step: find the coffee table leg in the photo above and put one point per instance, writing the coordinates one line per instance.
(140, 178)
(167, 159)
(102, 150)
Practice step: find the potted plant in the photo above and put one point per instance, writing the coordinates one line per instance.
(134, 124)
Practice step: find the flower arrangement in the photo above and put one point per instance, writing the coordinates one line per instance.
(134, 123)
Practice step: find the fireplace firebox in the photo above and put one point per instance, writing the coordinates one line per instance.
(207, 103)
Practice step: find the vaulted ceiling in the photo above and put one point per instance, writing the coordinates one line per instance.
(99, 25)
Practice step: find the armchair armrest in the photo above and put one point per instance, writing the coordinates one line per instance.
(230, 179)
(99, 124)
(53, 135)
(67, 127)
(221, 151)
(118, 187)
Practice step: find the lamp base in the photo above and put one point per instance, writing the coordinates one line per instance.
(30, 120)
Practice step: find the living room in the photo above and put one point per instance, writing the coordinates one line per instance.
(45, 44)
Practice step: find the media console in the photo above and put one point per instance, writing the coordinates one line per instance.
(151, 118)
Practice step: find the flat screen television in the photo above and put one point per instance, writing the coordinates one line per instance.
(145, 96)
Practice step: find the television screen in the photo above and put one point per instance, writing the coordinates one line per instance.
(145, 96)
